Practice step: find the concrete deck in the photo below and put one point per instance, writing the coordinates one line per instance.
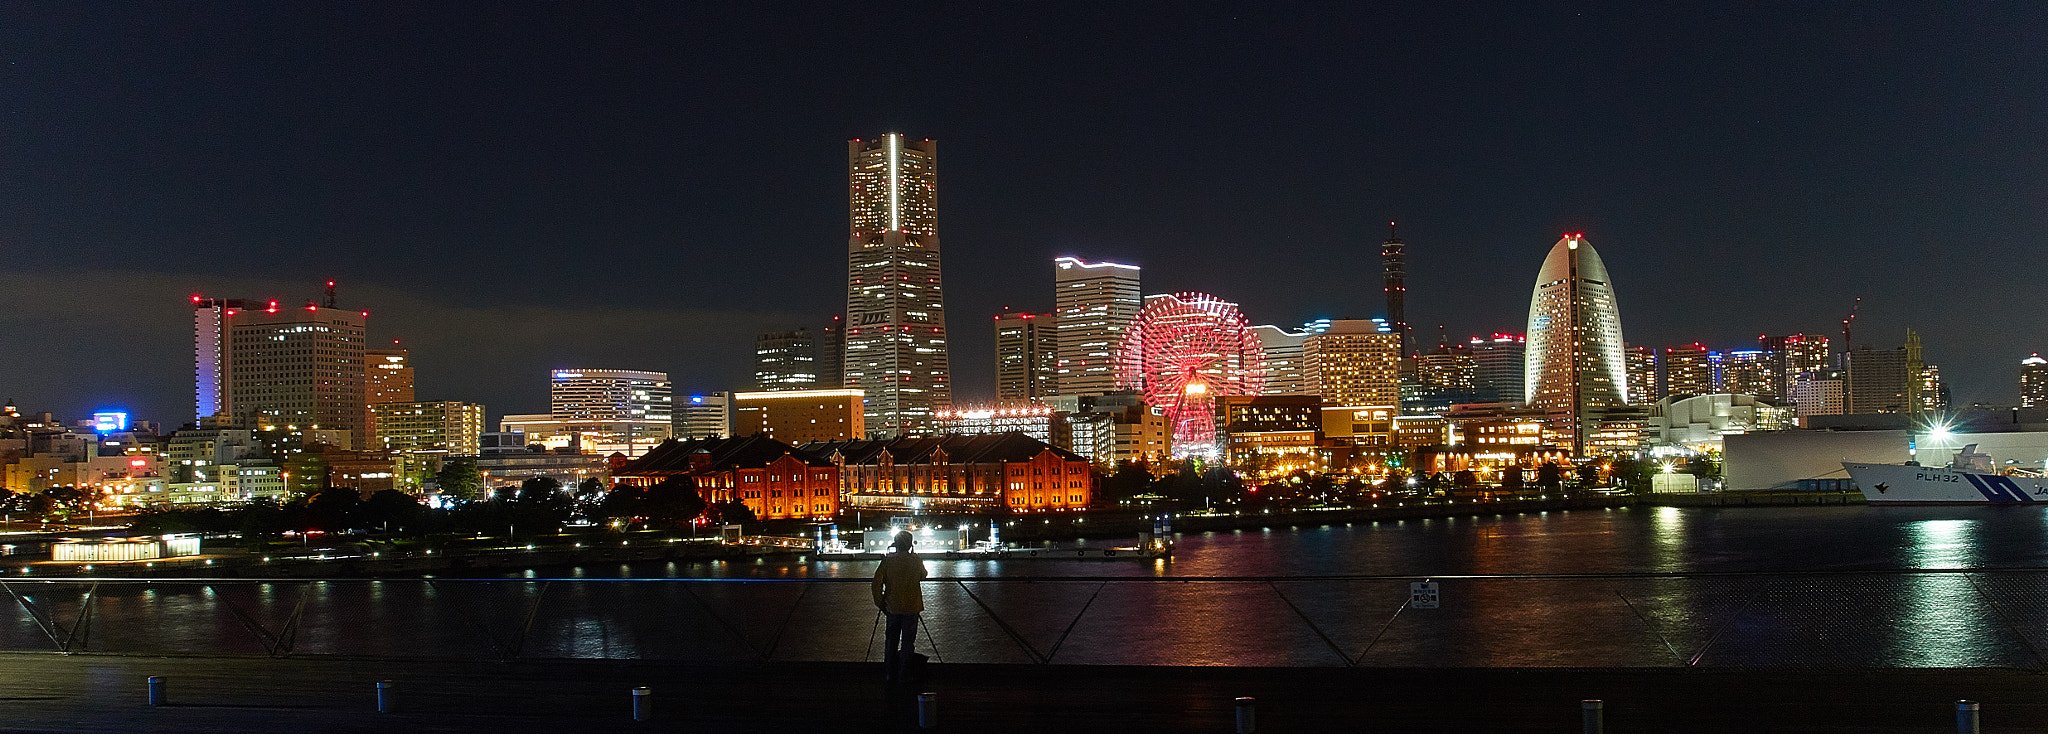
(97, 693)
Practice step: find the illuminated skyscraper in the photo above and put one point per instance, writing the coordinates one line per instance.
(610, 395)
(1025, 354)
(1749, 372)
(1355, 362)
(2034, 381)
(895, 309)
(1092, 303)
(785, 360)
(1688, 370)
(1394, 264)
(264, 366)
(387, 378)
(1287, 371)
(1498, 364)
(1795, 353)
(1642, 374)
(1575, 368)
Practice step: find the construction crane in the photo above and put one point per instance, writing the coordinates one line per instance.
(1847, 322)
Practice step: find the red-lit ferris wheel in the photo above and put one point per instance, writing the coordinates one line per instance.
(1182, 352)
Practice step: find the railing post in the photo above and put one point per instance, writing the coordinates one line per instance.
(385, 701)
(157, 696)
(1966, 717)
(1591, 715)
(643, 703)
(1247, 715)
(928, 710)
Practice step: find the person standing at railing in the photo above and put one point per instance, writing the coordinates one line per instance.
(898, 593)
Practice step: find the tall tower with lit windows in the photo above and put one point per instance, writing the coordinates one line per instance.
(895, 309)
(1575, 367)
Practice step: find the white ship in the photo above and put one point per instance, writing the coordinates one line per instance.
(1971, 479)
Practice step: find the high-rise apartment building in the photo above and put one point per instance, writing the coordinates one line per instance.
(1750, 372)
(387, 378)
(1575, 371)
(1092, 304)
(1795, 353)
(1688, 370)
(1818, 392)
(1933, 392)
(587, 395)
(264, 366)
(1027, 353)
(1642, 373)
(1498, 366)
(1878, 380)
(2034, 381)
(895, 308)
(1355, 362)
(785, 360)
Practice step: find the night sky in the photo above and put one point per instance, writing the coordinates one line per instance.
(514, 187)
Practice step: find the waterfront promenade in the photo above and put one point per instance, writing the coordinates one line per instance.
(96, 693)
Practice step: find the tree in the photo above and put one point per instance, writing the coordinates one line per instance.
(390, 509)
(1511, 479)
(1589, 475)
(460, 479)
(733, 512)
(1465, 479)
(1550, 476)
(1130, 480)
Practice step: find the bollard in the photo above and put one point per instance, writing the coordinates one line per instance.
(643, 704)
(928, 710)
(1590, 712)
(156, 691)
(1247, 715)
(385, 703)
(1966, 717)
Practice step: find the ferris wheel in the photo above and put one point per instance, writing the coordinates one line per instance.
(1182, 352)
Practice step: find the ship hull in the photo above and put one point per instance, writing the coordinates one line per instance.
(1904, 484)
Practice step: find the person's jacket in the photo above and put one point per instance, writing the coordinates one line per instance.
(897, 583)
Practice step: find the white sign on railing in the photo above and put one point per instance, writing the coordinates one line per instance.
(1422, 595)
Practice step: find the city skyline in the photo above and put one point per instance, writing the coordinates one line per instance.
(1872, 159)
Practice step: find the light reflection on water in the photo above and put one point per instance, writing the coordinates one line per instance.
(1816, 617)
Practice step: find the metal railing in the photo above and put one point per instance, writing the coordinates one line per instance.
(1852, 620)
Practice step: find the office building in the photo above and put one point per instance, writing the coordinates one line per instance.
(441, 428)
(2034, 381)
(1114, 427)
(705, 415)
(785, 360)
(1285, 428)
(1498, 364)
(270, 367)
(1027, 354)
(832, 354)
(1355, 362)
(1688, 370)
(387, 378)
(1286, 372)
(1036, 421)
(1394, 266)
(800, 416)
(1575, 370)
(1092, 304)
(895, 308)
(610, 395)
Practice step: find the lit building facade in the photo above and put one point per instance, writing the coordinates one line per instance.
(1795, 353)
(705, 415)
(1688, 370)
(994, 474)
(1818, 392)
(1284, 427)
(786, 360)
(1027, 357)
(1286, 371)
(1498, 366)
(387, 378)
(1695, 424)
(775, 480)
(264, 366)
(1642, 373)
(1575, 370)
(895, 308)
(420, 434)
(1114, 427)
(1878, 380)
(2034, 381)
(1092, 303)
(1355, 362)
(610, 395)
(1036, 421)
(800, 416)
(1750, 372)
